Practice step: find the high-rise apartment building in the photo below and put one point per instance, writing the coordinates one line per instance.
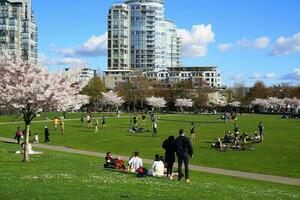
(18, 31)
(142, 42)
(119, 37)
(149, 41)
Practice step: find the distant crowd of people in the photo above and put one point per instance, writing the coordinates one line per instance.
(235, 140)
(162, 166)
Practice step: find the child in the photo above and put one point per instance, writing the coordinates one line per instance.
(35, 139)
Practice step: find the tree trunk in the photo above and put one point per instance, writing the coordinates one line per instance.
(26, 153)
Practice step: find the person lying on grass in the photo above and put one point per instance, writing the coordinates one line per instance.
(113, 163)
(30, 151)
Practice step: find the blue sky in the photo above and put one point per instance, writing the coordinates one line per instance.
(248, 39)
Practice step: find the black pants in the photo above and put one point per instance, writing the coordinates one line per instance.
(47, 138)
(185, 160)
(154, 134)
(169, 168)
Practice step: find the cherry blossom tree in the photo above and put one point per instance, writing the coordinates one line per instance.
(156, 102)
(28, 88)
(184, 103)
(112, 99)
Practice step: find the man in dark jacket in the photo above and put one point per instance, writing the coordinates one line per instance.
(184, 151)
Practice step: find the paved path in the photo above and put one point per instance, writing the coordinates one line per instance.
(226, 172)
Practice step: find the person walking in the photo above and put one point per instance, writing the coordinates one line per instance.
(192, 129)
(47, 140)
(18, 135)
(261, 129)
(154, 124)
(103, 121)
(184, 151)
(169, 146)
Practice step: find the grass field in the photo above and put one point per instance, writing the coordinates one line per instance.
(277, 155)
(54, 175)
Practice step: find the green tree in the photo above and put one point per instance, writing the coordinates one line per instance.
(94, 90)
(259, 90)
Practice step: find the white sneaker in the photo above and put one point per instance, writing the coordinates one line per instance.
(171, 177)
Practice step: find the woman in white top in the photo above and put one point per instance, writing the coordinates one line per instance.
(135, 162)
(157, 167)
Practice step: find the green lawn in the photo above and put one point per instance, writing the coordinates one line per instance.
(277, 155)
(55, 175)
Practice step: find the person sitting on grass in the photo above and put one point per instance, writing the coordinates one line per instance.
(218, 144)
(109, 161)
(135, 162)
(29, 148)
(256, 137)
(35, 139)
(236, 143)
(244, 137)
(157, 168)
(227, 138)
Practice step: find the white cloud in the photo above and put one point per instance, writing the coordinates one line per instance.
(258, 43)
(259, 76)
(270, 75)
(196, 41)
(95, 46)
(224, 47)
(261, 43)
(288, 45)
(293, 76)
(69, 61)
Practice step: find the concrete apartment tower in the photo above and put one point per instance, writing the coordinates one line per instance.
(119, 37)
(18, 30)
(150, 41)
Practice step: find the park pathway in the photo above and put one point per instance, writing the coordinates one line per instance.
(226, 172)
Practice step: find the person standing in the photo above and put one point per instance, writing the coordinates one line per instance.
(47, 140)
(62, 127)
(55, 121)
(103, 121)
(169, 146)
(236, 128)
(184, 151)
(18, 135)
(143, 120)
(261, 129)
(192, 129)
(154, 133)
(89, 120)
(96, 125)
